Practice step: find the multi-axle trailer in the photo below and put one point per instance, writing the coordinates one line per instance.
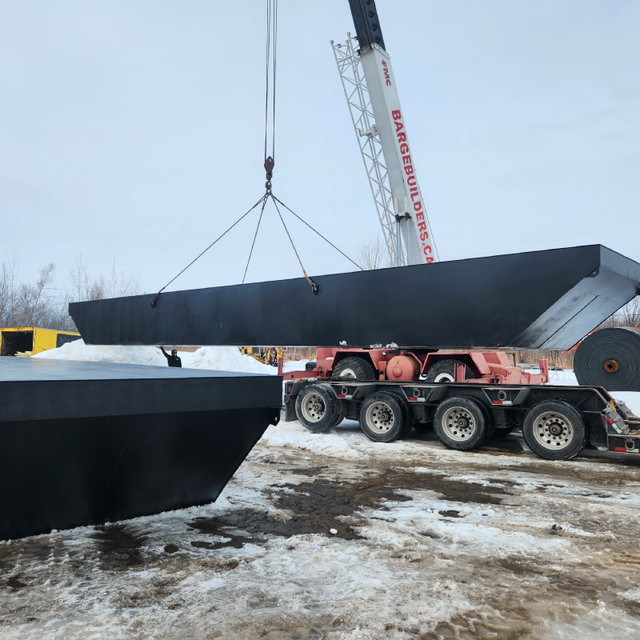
(557, 422)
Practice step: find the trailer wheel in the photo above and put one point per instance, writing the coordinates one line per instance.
(316, 407)
(341, 412)
(382, 418)
(490, 424)
(444, 371)
(407, 416)
(460, 423)
(555, 430)
(354, 368)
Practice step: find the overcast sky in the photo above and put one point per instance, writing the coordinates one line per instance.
(131, 132)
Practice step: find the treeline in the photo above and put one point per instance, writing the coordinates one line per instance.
(42, 304)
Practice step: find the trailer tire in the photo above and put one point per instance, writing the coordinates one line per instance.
(382, 418)
(355, 369)
(554, 430)
(317, 407)
(460, 423)
(490, 424)
(341, 412)
(407, 416)
(444, 371)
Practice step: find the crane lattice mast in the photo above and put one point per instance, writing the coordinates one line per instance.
(378, 119)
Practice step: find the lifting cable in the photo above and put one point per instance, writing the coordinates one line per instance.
(255, 235)
(269, 162)
(222, 235)
(342, 253)
(270, 90)
(313, 285)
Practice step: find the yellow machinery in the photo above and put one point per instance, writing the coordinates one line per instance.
(267, 355)
(27, 341)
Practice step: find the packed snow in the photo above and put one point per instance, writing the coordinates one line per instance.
(220, 358)
(332, 536)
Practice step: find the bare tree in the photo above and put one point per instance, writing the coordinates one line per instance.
(86, 287)
(8, 278)
(628, 316)
(30, 305)
(38, 304)
(374, 255)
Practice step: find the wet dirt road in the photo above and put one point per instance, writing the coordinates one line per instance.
(332, 536)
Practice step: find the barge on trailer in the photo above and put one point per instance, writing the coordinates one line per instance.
(537, 300)
(557, 422)
(88, 442)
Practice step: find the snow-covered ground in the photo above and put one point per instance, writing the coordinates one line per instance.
(332, 536)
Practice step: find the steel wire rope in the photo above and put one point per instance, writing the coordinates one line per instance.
(255, 235)
(270, 79)
(342, 253)
(222, 235)
(269, 163)
(314, 286)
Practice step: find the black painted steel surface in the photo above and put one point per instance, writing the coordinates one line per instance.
(543, 299)
(85, 443)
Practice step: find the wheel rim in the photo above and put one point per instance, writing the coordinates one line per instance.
(444, 377)
(552, 430)
(380, 417)
(347, 373)
(458, 424)
(313, 408)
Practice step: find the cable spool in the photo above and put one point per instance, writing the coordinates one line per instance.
(609, 358)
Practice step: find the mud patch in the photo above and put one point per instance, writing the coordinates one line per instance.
(453, 490)
(118, 547)
(451, 513)
(247, 526)
(235, 529)
(15, 583)
(334, 507)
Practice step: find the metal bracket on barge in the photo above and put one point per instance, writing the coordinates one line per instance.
(556, 422)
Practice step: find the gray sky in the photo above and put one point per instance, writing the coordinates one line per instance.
(132, 131)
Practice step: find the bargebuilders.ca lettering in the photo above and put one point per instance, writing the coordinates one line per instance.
(412, 185)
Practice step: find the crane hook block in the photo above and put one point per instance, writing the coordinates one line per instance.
(269, 163)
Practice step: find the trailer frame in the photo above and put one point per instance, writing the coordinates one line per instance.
(591, 411)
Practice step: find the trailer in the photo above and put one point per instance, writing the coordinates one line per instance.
(430, 365)
(557, 422)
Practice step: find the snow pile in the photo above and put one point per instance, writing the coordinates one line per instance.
(78, 350)
(345, 443)
(218, 358)
(224, 359)
(566, 377)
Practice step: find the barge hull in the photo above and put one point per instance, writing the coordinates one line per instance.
(538, 300)
(141, 440)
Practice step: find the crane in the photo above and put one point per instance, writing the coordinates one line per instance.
(378, 119)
